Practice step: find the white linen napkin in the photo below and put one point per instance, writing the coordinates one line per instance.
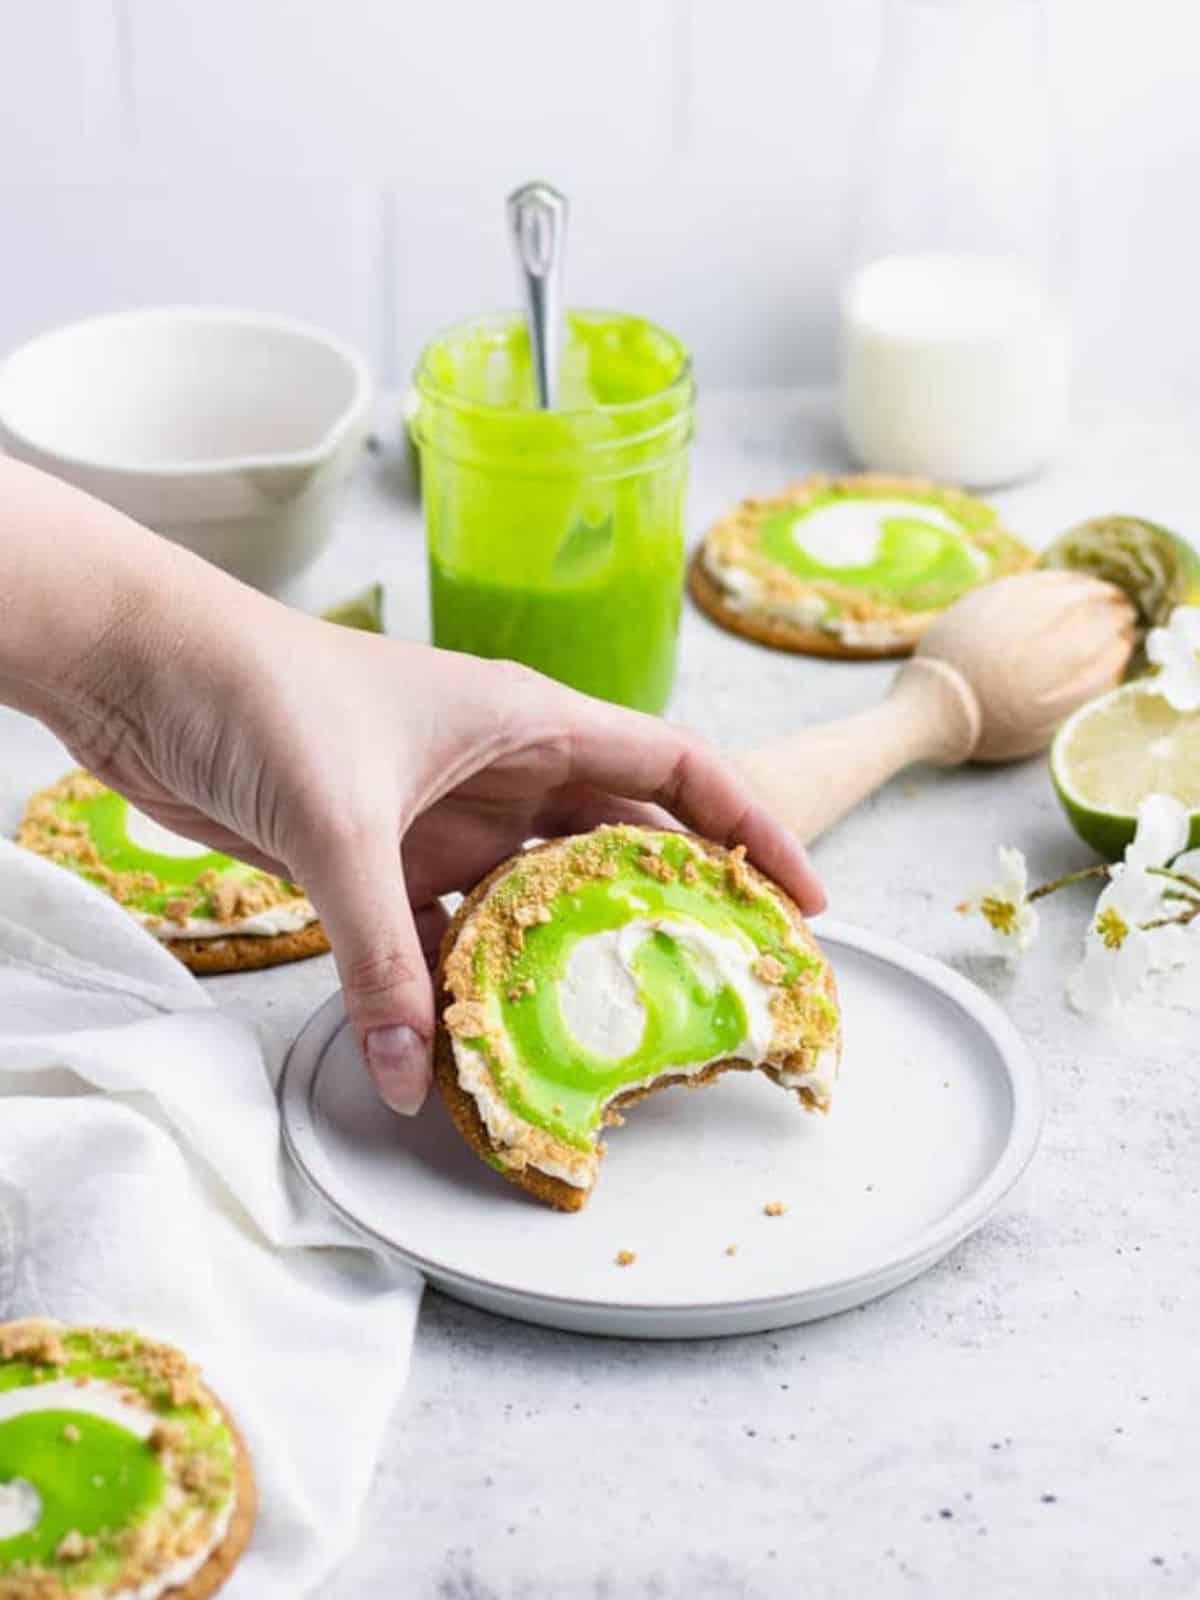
(142, 1183)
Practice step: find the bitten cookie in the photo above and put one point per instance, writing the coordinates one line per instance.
(588, 972)
(121, 1475)
(856, 568)
(215, 914)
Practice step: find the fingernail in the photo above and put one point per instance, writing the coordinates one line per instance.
(399, 1061)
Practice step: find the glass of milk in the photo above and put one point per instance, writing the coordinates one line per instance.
(953, 342)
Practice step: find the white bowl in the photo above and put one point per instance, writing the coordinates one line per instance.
(227, 431)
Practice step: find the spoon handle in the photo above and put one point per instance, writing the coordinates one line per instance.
(537, 216)
(810, 779)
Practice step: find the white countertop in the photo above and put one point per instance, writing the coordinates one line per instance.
(1024, 1418)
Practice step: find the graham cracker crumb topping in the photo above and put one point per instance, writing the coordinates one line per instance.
(74, 1547)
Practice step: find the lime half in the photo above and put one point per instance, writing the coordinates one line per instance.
(1114, 752)
(363, 611)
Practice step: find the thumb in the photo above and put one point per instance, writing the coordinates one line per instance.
(364, 905)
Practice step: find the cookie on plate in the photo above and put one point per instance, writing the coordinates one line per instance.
(856, 567)
(215, 914)
(120, 1472)
(588, 972)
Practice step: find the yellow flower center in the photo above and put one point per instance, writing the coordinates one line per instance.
(1002, 914)
(1112, 928)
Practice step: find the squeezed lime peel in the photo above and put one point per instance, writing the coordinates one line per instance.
(363, 611)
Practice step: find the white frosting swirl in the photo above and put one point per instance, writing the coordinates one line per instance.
(600, 1007)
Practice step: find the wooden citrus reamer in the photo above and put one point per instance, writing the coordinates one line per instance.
(993, 678)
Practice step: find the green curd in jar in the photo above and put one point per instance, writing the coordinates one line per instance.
(556, 538)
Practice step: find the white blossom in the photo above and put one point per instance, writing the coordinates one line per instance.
(1175, 650)
(1119, 950)
(1013, 922)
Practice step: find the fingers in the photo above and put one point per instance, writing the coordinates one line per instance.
(579, 808)
(358, 887)
(649, 760)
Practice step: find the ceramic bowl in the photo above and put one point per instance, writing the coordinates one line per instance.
(226, 431)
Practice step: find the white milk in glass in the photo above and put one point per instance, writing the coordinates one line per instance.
(954, 367)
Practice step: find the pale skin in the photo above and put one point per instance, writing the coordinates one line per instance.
(379, 774)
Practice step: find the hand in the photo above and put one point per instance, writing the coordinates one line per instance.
(378, 774)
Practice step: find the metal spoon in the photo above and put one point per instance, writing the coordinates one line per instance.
(537, 216)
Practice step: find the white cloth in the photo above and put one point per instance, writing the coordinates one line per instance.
(142, 1183)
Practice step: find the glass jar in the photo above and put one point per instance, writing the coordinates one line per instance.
(556, 538)
(954, 352)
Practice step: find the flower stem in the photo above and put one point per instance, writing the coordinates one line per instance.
(1176, 877)
(1100, 870)
(1181, 921)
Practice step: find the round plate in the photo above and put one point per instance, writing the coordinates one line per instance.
(935, 1116)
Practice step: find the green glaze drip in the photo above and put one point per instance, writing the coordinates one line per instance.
(554, 1081)
(108, 1478)
(920, 565)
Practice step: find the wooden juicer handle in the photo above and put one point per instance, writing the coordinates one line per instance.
(991, 681)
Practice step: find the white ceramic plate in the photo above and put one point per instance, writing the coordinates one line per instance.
(936, 1115)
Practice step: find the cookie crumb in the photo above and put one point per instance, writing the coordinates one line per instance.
(74, 1547)
(650, 861)
(166, 1436)
(774, 1208)
(767, 969)
(71, 1433)
(731, 1249)
(625, 1258)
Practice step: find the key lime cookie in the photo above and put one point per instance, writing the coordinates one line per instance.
(214, 913)
(121, 1476)
(851, 567)
(588, 972)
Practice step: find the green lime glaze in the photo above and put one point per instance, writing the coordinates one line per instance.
(108, 1478)
(104, 816)
(553, 1080)
(919, 564)
(556, 538)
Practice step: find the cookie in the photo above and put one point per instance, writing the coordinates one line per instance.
(208, 958)
(588, 972)
(120, 1472)
(212, 912)
(854, 568)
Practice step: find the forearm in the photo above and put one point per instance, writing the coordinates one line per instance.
(93, 608)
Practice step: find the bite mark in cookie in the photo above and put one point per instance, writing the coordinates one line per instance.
(589, 972)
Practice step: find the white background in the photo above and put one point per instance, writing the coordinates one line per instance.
(346, 161)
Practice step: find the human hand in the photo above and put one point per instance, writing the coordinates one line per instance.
(379, 774)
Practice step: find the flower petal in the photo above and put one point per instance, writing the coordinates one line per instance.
(1162, 831)
(1014, 874)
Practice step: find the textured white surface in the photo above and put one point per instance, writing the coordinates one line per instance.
(1023, 1419)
